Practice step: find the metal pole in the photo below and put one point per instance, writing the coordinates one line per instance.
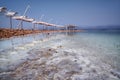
(46, 28)
(43, 27)
(10, 22)
(24, 15)
(33, 26)
(26, 10)
(21, 24)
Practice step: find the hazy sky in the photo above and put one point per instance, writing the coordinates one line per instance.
(78, 12)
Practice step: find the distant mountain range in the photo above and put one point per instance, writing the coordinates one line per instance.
(98, 27)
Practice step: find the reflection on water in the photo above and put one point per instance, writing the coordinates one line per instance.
(71, 33)
(13, 50)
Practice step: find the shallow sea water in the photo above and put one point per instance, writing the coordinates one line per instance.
(87, 55)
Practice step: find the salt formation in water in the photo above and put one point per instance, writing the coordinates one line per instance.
(60, 64)
(63, 58)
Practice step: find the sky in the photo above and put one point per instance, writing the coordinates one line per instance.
(63, 12)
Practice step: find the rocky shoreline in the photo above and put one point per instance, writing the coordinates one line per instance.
(7, 33)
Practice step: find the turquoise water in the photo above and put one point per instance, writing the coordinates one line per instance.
(93, 49)
(105, 45)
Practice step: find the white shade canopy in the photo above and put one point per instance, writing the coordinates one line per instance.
(40, 22)
(34, 22)
(59, 26)
(43, 23)
(19, 17)
(11, 13)
(3, 9)
(24, 18)
(48, 24)
(28, 19)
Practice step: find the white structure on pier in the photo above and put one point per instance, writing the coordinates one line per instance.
(10, 14)
(3, 9)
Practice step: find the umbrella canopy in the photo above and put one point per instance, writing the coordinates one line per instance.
(19, 17)
(48, 24)
(40, 22)
(61, 26)
(43, 23)
(3, 9)
(28, 19)
(23, 18)
(34, 22)
(10, 14)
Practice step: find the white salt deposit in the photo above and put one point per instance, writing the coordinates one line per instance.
(84, 56)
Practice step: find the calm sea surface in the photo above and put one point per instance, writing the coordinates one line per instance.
(104, 45)
(99, 47)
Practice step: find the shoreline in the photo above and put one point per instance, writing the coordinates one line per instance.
(7, 33)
